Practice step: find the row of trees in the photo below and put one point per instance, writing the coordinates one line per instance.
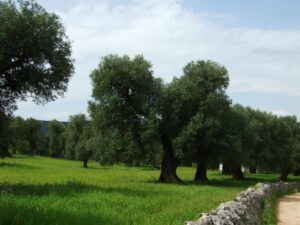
(61, 141)
(134, 117)
(35, 61)
(137, 118)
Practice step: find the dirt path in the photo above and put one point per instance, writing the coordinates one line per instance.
(288, 210)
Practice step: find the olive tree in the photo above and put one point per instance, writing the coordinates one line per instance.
(122, 96)
(56, 138)
(34, 136)
(79, 140)
(203, 97)
(35, 54)
(17, 135)
(4, 137)
(285, 139)
(127, 101)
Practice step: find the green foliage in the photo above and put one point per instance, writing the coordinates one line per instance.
(35, 54)
(85, 147)
(34, 135)
(56, 138)
(258, 139)
(202, 89)
(260, 151)
(26, 136)
(285, 135)
(238, 136)
(135, 117)
(269, 214)
(17, 132)
(124, 93)
(79, 139)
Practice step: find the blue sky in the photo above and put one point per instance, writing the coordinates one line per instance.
(270, 14)
(257, 40)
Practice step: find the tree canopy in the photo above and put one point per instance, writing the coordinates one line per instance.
(204, 99)
(189, 120)
(124, 92)
(35, 54)
(79, 141)
(56, 138)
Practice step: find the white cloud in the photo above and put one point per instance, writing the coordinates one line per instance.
(170, 35)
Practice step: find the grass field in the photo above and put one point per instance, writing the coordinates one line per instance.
(40, 191)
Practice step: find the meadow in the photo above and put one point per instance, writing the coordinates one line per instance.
(40, 190)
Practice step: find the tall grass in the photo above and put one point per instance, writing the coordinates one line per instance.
(44, 191)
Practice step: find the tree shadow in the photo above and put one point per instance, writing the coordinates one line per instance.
(245, 183)
(96, 168)
(16, 165)
(150, 168)
(71, 188)
(21, 156)
(32, 214)
(230, 183)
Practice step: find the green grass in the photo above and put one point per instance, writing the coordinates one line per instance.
(268, 216)
(40, 191)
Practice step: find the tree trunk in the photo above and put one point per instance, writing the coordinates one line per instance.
(201, 174)
(297, 172)
(226, 170)
(201, 163)
(284, 174)
(237, 173)
(252, 169)
(138, 141)
(169, 164)
(85, 163)
(4, 153)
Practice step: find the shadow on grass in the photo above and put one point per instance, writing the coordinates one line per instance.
(71, 188)
(151, 168)
(250, 180)
(219, 180)
(15, 213)
(96, 168)
(224, 183)
(16, 165)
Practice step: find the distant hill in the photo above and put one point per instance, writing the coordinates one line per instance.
(46, 125)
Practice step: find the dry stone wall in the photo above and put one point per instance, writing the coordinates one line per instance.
(246, 207)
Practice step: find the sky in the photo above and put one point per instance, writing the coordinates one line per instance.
(258, 41)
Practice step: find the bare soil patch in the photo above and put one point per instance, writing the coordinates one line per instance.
(288, 210)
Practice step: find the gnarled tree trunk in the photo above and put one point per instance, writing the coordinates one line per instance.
(252, 169)
(237, 173)
(85, 163)
(226, 169)
(201, 172)
(4, 152)
(297, 171)
(284, 174)
(169, 164)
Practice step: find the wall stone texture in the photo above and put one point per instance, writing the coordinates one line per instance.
(246, 207)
